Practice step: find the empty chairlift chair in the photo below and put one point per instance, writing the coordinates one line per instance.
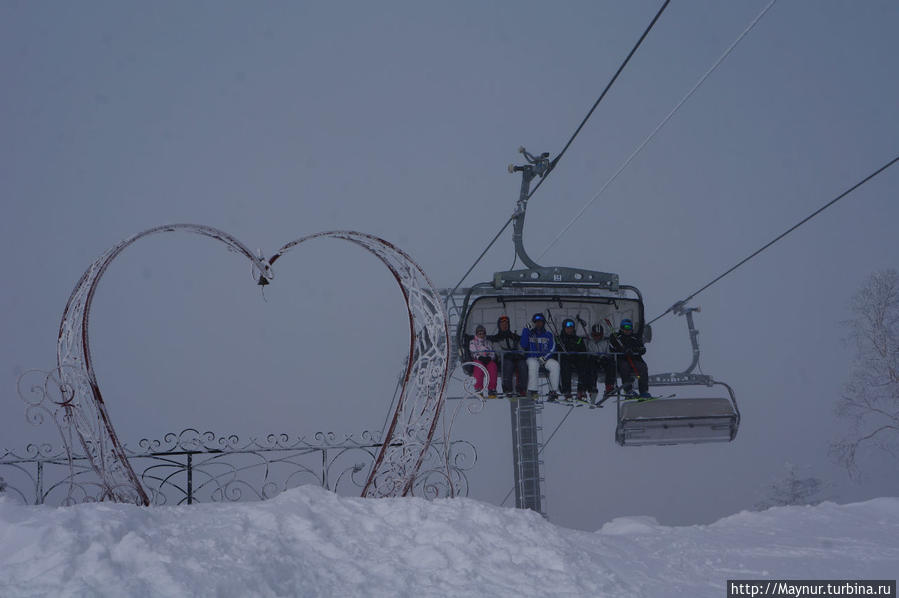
(679, 420)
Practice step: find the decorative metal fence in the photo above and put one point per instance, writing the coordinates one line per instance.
(194, 467)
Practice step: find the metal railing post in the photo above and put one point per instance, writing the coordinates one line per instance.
(39, 484)
(190, 478)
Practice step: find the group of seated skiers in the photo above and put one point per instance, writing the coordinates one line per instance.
(521, 357)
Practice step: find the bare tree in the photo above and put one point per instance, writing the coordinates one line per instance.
(792, 489)
(870, 399)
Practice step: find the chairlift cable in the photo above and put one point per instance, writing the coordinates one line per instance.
(555, 160)
(564, 149)
(783, 234)
(483, 253)
(664, 121)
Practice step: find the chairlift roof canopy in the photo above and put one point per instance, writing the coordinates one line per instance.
(585, 304)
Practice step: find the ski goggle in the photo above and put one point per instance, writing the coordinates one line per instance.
(504, 319)
(538, 318)
(569, 324)
(627, 326)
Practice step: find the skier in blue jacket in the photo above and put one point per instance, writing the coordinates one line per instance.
(539, 346)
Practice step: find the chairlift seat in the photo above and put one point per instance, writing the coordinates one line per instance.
(676, 421)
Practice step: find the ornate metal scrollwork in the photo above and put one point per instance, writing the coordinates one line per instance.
(411, 430)
(77, 405)
(191, 467)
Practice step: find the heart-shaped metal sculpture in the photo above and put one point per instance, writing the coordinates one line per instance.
(411, 427)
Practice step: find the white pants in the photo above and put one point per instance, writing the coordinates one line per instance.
(552, 366)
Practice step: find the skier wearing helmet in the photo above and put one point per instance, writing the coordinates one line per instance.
(539, 346)
(630, 350)
(572, 360)
(482, 351)
(599, 359)
(507, 345)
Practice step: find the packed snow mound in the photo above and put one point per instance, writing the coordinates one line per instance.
(622, 526)
(310, 542)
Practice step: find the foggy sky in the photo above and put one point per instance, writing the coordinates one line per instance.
(275, 120)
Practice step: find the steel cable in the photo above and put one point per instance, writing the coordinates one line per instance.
(782, 235)
(570, 140)
(659, 127)
(555, 160)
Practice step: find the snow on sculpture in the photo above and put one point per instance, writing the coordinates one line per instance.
(80, 411)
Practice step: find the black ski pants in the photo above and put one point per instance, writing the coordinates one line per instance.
(515, 363)
(627, 372)
(572, 363)
(597, 363)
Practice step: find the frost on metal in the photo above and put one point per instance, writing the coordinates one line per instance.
(85, 418)
(192, 466)
(420, 403)
(72, 394)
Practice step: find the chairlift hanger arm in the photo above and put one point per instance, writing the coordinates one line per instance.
(536, 166)
(534, 272)
(685, 376)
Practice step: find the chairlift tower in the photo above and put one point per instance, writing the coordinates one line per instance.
(527, 437)
(517, 293)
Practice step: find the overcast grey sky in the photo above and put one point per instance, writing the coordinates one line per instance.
(273, 120)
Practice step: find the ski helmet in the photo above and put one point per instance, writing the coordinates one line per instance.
(627, 324)
(538, 317)
(568, 323)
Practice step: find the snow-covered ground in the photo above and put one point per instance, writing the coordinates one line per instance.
(310, 542)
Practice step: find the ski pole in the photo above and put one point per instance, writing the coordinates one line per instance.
(555, 329)
(551, 320)
(583, 325)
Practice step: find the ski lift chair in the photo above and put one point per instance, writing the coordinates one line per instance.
(586, 304)
(678, 421)
(667, 421)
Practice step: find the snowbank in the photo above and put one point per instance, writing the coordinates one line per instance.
(310, 542)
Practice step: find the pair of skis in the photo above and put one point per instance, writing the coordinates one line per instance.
(508, 397)
(635, 398)
(576, 402)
